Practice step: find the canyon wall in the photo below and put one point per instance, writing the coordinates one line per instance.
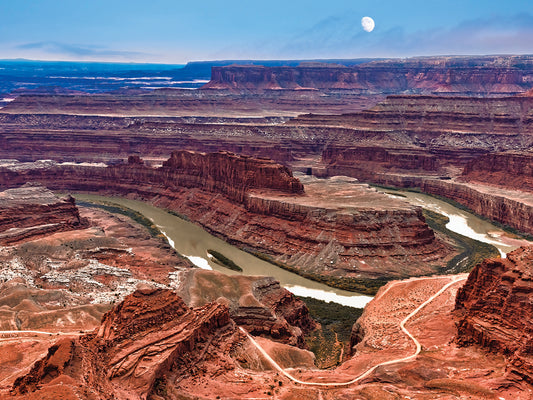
(513, 170)
(228, 173)
(364, 162)
(465, 75)
(509, 208)
(454, 130)
(430, 133)
(429, 140)
(495, 310)
(31, 211)
(31, 137)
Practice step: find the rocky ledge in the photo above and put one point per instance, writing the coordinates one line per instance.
(465, 75)
(229, 173)
(495, 310)
(32, 210)
(430, 134)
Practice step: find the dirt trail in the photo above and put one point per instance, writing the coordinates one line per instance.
(372, 369)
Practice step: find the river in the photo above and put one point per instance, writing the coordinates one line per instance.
(193, 242)
(463, 222)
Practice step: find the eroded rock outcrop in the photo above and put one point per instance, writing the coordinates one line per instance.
(509, 207)
(364, 162)
(32, 210)
(496, 312)
(152, 334)
(426, 134)
(260, 305)
(230, 174)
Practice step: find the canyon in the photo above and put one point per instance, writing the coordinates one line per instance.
(96, 305)
(336, 231)
(401, 141)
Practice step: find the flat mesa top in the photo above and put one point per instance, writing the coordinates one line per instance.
(339, 193)
(27, 194)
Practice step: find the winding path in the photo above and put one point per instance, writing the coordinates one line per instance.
(372, 369)
(13, 335)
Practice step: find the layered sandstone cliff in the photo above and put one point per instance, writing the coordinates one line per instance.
(465, 75)
(496, 312)
(228, 173)
(509, 207)
(513, 170)
(365, 161)
(32, 210)
(453, 130)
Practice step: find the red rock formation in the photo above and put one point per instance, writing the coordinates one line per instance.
(418, 75)
(496, 312)
(509, 207)
(230, 174)
(190, 105)
(260, 305)
(104, 139)
(149, 336)
(513, 170)
(284, 304)
(453, 129)
(364, 162)
(31, 211)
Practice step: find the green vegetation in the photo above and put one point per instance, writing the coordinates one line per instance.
(473, 252)
(332, 340)
(398, 194)
(363, 286)
(221, 259)
(134, 215)
(177, 214)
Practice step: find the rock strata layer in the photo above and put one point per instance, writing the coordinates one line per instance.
(465, 75)
(496, 312)
(427, 134)
(513, 170)
(31, 211)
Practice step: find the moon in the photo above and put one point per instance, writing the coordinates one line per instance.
(368, 24)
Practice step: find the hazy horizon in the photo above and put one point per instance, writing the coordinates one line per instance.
(170, 32)
(20, 59)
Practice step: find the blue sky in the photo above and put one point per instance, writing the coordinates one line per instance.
(177, 31)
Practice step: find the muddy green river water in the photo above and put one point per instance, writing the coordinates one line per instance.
(193, 242)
